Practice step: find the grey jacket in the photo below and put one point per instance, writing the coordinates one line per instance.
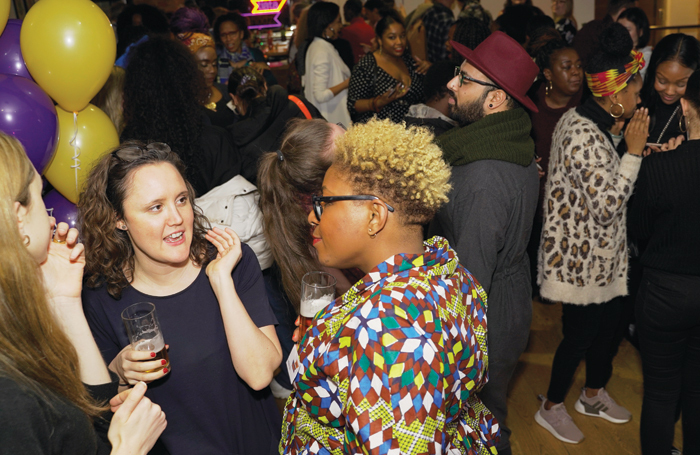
(489, 218)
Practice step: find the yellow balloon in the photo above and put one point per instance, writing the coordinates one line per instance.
(96, 136)
(69, 49)
(4, 14)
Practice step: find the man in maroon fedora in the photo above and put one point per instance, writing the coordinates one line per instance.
(495, 188)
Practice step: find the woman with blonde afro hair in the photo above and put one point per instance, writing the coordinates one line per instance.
(404, 166)
(403, 352)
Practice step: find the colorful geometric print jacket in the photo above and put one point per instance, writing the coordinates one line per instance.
(393, 368)
(583, 248)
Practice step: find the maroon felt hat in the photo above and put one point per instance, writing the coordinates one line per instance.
(506, 63)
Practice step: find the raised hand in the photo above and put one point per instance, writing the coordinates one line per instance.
(228, 245)
(637, 132)
(137, 422)
(63, 267)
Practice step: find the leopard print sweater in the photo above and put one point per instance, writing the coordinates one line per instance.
(583, 248)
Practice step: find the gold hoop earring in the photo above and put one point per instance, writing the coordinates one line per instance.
(26, 240)
(614, 115)
(681, 124)
(548, 88)
(369, 231)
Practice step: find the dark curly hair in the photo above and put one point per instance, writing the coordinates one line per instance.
(163, 94)
(109, 253)
(614, 52)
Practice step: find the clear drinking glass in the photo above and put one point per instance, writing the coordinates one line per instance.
(145, 334)
(317, 292)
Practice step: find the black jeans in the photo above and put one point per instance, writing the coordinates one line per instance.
(668, 321)
(590, 332)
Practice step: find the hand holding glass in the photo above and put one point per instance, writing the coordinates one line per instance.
(145, 334)
(317, 292)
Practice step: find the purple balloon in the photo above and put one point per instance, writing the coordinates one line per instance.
(28, 114)
(11, 60)
(61, 208)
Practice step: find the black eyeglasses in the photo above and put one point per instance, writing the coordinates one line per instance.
(132, 152)
(463, 77)
(318, 208)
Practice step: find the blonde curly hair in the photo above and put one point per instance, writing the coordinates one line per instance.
(402, 165)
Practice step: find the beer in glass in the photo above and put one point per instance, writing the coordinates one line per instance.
(317, 292)
(145, 334)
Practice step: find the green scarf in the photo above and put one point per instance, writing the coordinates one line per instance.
(504, 136)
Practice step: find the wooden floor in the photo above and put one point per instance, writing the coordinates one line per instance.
(532, 378)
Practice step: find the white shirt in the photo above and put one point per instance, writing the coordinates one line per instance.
(325, 69)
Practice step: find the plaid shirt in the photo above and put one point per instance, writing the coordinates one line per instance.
(437, 21)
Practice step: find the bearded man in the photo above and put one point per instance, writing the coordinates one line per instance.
(492, 204)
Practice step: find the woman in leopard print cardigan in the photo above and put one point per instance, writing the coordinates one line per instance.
(583, 248)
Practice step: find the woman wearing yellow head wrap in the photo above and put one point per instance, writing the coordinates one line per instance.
(204, 51)
(583, 249)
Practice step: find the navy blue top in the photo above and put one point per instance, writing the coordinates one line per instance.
(209, 409)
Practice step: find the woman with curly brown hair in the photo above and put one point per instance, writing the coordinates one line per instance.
(53, 382)
(163, 97)
(146, 241)
(403, 352)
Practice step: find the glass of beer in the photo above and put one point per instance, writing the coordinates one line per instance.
(317, 292)
(145, 334)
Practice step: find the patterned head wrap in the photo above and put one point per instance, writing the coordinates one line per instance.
(613, 80)
(196, 41)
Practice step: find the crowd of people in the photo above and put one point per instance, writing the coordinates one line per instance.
(445, 166)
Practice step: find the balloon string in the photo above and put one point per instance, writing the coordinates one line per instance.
(76, 149)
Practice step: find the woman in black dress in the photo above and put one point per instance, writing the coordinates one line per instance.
(386, 82)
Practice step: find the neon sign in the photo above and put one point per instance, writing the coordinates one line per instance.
(267, 6)
(265, 13)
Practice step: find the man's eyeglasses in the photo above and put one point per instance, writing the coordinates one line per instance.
(318, 207)
(463, 77)
(132, 152)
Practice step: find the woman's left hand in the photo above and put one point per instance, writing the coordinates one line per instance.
(228, 245)
(422, 66)
(63, 267)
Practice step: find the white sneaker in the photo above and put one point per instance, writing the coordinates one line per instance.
(602, 405)
(558, 422)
